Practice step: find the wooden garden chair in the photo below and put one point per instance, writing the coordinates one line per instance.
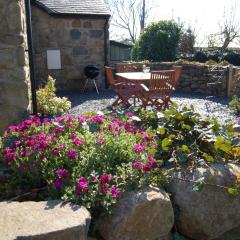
(125, 90)
(160, 88)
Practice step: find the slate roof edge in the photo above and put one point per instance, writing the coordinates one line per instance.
(58, 14)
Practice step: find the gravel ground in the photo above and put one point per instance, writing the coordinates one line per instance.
(206, 106)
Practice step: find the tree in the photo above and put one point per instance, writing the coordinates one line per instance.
(229, 28)
(187, 41)
(130, 16)
(157, 42)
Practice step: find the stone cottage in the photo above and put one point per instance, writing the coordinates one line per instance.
(67, 36)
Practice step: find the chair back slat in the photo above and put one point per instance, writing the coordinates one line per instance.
(109, 75)
(162, 81)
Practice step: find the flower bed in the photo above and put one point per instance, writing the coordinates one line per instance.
(91, 159)
(87, 159)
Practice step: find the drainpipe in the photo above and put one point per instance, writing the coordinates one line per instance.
(30, 55)
(106, 48)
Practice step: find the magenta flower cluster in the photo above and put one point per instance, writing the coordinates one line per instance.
(56, 151)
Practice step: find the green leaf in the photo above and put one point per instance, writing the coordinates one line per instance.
(208, 157)
(166, 142)
(233, 191)
(185, 148)
(186, 126)
(161, 130)
(222, 144)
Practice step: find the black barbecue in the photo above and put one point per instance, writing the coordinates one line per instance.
(91, 72)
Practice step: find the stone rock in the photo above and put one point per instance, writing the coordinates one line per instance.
(212, 212)
(143, 215)
(75, 34)
(96, 33)
(76, 23)
(80, 51)
(43, 220)
(87, 24)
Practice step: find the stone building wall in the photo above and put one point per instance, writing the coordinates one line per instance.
(80, 40)
(14, 69)
(194, 77)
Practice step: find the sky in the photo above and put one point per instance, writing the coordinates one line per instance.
(203, 15)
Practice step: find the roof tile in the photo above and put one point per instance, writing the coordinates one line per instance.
(82, 7)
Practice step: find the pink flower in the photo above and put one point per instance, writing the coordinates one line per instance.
(100, 140)
(114, 192)
(26, 153)
(83, 184)
(58, 183)
(16, 144)
(72, 136)
(153, 163)
(97, 119)
(139, 148)
(146, 169)
(62, 173)
(114, 128)
(72, 154)
(78, 142)
(129, 114)
(56, 151)
(95, 179)
(12, 129)
(81, 120)
(104, 188)
(137, 165)
(9, 157)
(106, 178)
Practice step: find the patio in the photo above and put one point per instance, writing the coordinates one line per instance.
(208, 107)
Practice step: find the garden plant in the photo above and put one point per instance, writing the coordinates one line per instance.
(92, 159)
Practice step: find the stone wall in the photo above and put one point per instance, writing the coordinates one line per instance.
(195, 77)
(81, 42)
(14, 69)
(236, 82)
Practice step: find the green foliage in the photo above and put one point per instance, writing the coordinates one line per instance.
(185, 139)
(157, 42)
(187, 41)
(47, 101)
(235, 105)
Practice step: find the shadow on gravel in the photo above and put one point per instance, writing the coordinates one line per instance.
(78, 98)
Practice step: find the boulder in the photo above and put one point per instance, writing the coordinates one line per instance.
(211, 213)
(43, 220)
(141, 215)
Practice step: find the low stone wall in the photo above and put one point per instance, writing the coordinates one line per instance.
(196, 77)
(236, 82)
(14, 69)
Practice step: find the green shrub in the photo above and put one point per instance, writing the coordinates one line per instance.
(200, 57)
(235, 105)
(47, 101)
(89, 159)
(158, 42)
(187, 139)
(232, 57)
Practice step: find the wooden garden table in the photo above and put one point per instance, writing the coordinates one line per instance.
(134, 76)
